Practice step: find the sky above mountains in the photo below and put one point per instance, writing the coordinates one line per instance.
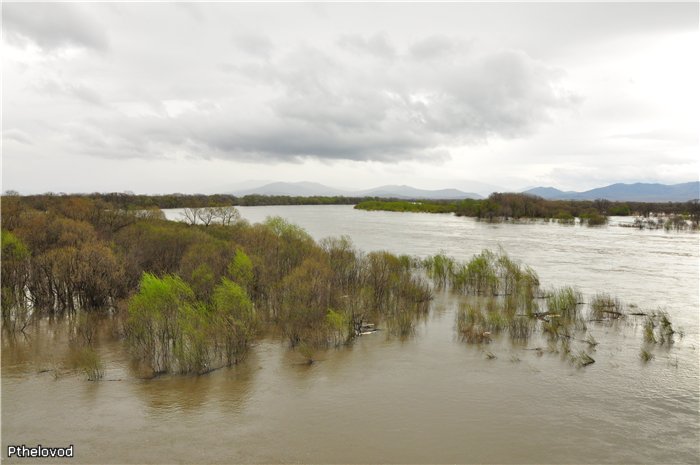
(174, 97)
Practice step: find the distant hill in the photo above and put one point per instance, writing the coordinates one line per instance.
(309, 189)
(408, 192)
(637, 192)
(550, 193)
(297, 189)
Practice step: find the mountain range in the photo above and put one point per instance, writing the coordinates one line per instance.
(308, 189)
(637, 192)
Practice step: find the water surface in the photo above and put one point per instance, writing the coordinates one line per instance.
(431, 398)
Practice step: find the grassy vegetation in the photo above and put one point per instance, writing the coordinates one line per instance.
(604, 306)
(645, 355)
(506, 300)
(419, 206)
(672, 222)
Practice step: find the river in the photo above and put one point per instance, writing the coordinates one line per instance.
(430, 398)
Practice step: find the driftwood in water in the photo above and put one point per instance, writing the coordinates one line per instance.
(614, 312)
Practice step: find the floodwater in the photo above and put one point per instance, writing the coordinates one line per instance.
(430, 398)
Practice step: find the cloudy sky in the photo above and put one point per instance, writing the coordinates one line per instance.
(205, 97)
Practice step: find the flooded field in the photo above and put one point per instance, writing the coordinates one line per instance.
(428, 398)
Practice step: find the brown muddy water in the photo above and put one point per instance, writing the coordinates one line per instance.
(430, 398)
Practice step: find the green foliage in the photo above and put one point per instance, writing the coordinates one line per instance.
(305, 301)
(657, 328)
(15, 275)
(595, 219)
(645, 355)
(496, 274)
(516, 206)
(440, 268)
(283, 228)
(240, 269)
(479, 275)
(471, 325)
(12, 247)
(565, 217)
(338, 323)
(419, 206)
(204, 264)
(192, 348)
(649, 330)
(203, 280)
(156, 315)
(564, 302)
(235, 320)
(170, 330)
(621, 209)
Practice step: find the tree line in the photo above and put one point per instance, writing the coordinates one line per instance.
(517, 206)
(130, 201)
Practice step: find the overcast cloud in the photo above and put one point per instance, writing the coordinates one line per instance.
(198, 97)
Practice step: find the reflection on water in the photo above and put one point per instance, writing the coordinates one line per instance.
(429, 398)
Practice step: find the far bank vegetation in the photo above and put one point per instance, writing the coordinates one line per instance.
(511, 206)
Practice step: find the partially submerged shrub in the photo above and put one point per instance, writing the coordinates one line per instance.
(645, 355)
(439, 268)
(657, 328)
(649, 330)
(520, 329)
(491, 274)
(564, 302)
(582, 359)
(471, 325)
(87, 360)
(594, 219)
(565, 218)
(169, 330)
(308, 352)
(604, 306)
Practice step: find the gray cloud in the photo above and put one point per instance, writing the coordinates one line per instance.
(377, 45)
(75, 90)
(52, 26)
(17, 136)
(327, 108)
(436, 46)
(254, 44)
(401, 110)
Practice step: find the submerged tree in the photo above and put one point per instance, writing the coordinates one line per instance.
(156, 314)
(170, 330)
(235, 321)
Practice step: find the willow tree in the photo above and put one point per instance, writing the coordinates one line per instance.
(15, 273)
(154, 320)
(234, 320)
